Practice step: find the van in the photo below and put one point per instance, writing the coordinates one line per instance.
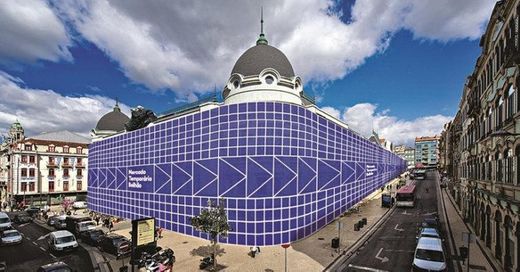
(85, 226)
(429, 255)
(5, 222)
(62, 240)
(60, 223)
(72, 221)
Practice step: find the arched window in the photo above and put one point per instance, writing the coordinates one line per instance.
(499, 165)
(498, 235)
(510, 102)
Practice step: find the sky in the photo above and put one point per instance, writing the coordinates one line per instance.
(393, 66)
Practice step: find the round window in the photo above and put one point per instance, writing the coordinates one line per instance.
(269, 79)
(236, 84)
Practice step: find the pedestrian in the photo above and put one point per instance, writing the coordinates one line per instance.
(159, 232)
(97, 220)
(110, 226)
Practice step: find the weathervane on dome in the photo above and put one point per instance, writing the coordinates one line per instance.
(261, 39)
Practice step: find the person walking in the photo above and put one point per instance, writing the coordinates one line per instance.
(110, 226)
(97, 220)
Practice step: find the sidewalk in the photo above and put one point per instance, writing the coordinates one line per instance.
(313, 253)
(478, 259)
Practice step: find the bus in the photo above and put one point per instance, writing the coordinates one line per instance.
(405, 196)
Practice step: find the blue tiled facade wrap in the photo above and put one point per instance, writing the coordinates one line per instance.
(284, 171)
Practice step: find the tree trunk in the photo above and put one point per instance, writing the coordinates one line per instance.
(215, 254)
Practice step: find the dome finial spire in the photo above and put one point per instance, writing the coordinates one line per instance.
(261, 39)
(116, 107)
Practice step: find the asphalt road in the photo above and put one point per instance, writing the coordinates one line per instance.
(33, 252)
(392, 246)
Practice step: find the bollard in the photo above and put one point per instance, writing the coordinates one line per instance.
(364, 220)
(356, 227)
(360, 223)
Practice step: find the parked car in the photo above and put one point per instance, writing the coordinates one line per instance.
(429, 255)
(5, 221)
(11, 237)
(62, 240)
(51, 220)
(79, 205)
(85, 226)
(55, 267)
(431, 222)
(429, 232)
(3, 267)
(31, 211)
(60, 223)
(22, 218)
(115, 244)
(91, 236)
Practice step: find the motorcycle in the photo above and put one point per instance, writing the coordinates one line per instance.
(206, 262)
(160, 261)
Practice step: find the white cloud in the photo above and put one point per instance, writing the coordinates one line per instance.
(364, 118)
(190, 46)
(31, 31)
(46, 110)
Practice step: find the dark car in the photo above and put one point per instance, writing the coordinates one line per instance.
(22, 218)
(55, 267)
(31, 211)
(431, 222)
(51, 220)
(91, 236)
(115, 244)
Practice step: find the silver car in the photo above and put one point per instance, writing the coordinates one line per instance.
(11, 237)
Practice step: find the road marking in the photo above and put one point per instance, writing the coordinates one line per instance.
(43, 249)
(43, 237)
(397, 228)
(35, 243)
(23, 225)
(399, 250)
(366, 268)
(28, 238)
(383, 259)
(52, 256)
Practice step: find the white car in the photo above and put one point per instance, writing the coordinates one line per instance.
(11, 237)
(85, 226)
(5, 222)
(62, 240)
(429, 232)
(429, 255)
(79, 205)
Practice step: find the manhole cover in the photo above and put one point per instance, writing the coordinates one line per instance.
(321, 238)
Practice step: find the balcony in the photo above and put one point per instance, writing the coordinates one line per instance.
(52, 164)
(67, 176)
(80, 165)
(66, 165)
(511, 55)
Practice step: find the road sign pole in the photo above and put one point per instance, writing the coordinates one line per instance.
(285, 259)
(469, 242)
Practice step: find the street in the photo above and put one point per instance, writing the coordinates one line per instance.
(392, 246)
(33, 251)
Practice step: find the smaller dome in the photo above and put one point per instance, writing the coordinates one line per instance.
(262, 56)
(16, 125)
(113, 121)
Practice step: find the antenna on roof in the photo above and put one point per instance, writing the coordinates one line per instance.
(261, 39)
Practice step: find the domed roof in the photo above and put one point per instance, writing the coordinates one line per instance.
(262, 56)
(114, 120)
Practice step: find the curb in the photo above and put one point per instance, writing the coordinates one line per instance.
(345, 255)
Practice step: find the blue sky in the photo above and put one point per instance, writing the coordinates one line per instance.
(397, 67)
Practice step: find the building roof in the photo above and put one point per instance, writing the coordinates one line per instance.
(427, 138)
(262, 56)
(113, 121)
(63, 136)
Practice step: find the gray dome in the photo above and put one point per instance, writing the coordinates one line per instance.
(113, 121)
(262, 56)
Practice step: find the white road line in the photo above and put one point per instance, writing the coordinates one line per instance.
(52, 256)
(28, 238)
(43, 249)
(35, 243)
(367, 268)
(398, 229)
(23, 225)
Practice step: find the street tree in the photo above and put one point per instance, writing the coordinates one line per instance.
(213, 221)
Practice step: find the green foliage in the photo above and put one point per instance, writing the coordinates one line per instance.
(212, 220)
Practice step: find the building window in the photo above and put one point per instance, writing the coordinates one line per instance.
(65, 185)
(79, 160)
(31, 187)
(65, 149)
(51, 160)
(24, 186)
(28, 147)
(51, 172)
(32, 159)
(79, 186)
(79, 172)
(31, 172)
(24, 159)
(51, 186)
(79, 150)
(66, 172)
(65, 161)
(51, 148)
(24, 172)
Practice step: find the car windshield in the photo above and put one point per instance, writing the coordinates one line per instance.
(11, 234)
(429, 255)
(4, 220)
(65, 239)
(61, 269)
